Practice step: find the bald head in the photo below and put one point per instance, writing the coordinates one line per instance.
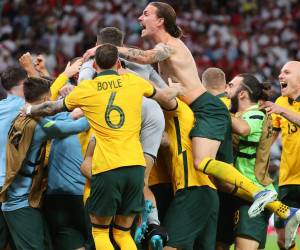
(289, 79)
(214, 80)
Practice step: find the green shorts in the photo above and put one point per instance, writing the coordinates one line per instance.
(28, 229)
(192, 218)
(4, 233)
(213, 121)
(251, 228)
(117, 192)
(290, 196)
(163, 193)
(67, 225)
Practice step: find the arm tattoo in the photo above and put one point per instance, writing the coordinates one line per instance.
(159, 53)
(162, 52)
(134, 53)
(48, 108)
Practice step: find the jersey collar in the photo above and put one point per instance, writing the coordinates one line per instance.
(108, 72)
(296, 100)
(221, 95)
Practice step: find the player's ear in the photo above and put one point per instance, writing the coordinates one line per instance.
(118, 64)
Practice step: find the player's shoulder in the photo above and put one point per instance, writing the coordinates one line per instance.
(282, 100)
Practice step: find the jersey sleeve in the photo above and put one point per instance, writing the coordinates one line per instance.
(60, 81)
(74, 98)
(147, 89)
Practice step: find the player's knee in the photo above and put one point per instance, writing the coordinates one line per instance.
(201, 163)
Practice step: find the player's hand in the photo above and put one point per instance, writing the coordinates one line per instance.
(65, 90)
(176, 86)
(40, 63)
(89, 53)
(271, 108)
(77, 113)
(27, 63)
(71, 70)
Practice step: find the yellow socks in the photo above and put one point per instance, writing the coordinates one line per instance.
(228, 173)
(124, 239)
(101, 238)
(276, 207)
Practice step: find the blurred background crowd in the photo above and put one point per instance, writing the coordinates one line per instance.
(254, 36)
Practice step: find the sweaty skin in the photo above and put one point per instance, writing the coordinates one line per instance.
(181, 67)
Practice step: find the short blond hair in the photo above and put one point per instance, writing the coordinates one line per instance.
(213, 78)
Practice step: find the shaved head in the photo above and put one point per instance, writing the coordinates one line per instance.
(214, 79)
(289, 79)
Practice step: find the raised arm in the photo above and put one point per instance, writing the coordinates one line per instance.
(159, 53)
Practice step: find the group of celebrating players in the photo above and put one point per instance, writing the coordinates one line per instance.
(130, 158)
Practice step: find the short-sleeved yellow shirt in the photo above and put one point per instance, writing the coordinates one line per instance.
(178, 126)
(289, 172)
(112, 104)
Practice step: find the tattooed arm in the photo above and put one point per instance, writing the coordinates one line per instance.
(159, 53)
(45, 109)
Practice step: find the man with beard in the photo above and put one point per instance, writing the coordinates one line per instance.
(211, 135)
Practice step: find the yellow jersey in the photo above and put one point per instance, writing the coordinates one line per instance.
(159, 172)
(59, 82)
(178, 126)
(225, 100)
(112, 104)
(289, 172)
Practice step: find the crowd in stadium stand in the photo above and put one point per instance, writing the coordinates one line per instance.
(237, 36)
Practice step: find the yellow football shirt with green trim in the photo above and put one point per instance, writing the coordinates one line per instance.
(112, 104)
(289, 172)
(160, 171)
(60, 81)
(178, 126)
(225, 100)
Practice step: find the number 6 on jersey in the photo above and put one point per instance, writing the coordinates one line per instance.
(111, 107)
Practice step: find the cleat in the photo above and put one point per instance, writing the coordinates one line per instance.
(142, 228)
(156, 242)
(291, 226)
(261, 199)
(157, 237)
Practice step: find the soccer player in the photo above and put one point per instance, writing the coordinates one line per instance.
(152, 123)
(213, 79)
(25, 174)
(12, 83)
(191, 219)
(112, 105)
(211, 139)
(65, 189)
(244, 92)
(286, 120)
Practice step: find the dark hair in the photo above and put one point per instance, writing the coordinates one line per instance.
(256, 90)
(106, 56)
(167, 12)
(3, 93)
(12, 77)
(35, 87)
(110, 35)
